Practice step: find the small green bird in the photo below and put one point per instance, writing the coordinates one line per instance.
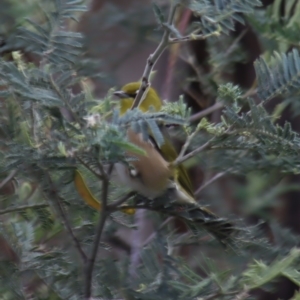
(152, 174)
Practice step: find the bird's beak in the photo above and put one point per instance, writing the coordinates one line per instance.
(121, 94)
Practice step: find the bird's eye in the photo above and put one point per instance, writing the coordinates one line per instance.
(133, 171)
(136, 92)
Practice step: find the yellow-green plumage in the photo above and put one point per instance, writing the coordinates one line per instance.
(167, 150)
(151, 99)
(152, 174)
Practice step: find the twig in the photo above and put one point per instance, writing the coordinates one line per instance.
(54, 195)
(193, 37)
(21, 208)
(136, 245)
(206, 112)
(181, 159)
(161, 226)
(188, 142)
(88, 167)
(91, 261)
(64, 100)
(211, 180)
(218, 294)
(216, 106)
(152, 59)
(120, 201)
(242, 295)
(235, 42)
(10, 176)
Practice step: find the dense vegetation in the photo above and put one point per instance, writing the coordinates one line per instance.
(52, 123)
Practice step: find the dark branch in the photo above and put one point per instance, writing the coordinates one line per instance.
(91, 261)
(55, 196)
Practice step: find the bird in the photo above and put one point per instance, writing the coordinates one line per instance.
(166, 150)
(152, 174)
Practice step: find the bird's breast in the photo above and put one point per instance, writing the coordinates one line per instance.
(150, 173)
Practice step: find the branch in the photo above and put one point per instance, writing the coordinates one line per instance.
(55, 196)
(136, 246)
(218, 294)
(161, 226)
(153, 58)
(188, 142)
(118, 202)
(206, 112)
(21, 208)
(90, 169)
(8, 178)
(64, 100)
(210, 181)
(193, 37)
(181, 158)
(91, 261)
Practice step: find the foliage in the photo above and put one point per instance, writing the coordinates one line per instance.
(51, 124)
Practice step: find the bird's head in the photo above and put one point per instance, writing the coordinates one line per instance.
(128, 93)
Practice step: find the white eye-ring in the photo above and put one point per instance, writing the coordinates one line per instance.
(136, 92)
(133, 171)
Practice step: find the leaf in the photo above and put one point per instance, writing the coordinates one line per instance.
(85, 192)
(130, 147)
(259, 274)
(158, 13)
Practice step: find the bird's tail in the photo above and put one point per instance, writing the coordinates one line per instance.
(197, 217)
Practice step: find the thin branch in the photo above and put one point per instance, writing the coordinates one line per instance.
(89, 168)
(120, 201)
(188, 142)
(242, 295)
(136, 245)
(64, 100)
(218, 294)
(21, 208)
(55, 196)
(217, 106)
(10, 176)
(153, 58)
(234, 45)
(211, 180)
(161, 226)
(193, 37)
(181, 158)
(206, 112)
(91, 261)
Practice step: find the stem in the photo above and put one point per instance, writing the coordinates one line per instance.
(210, 181)
(120, 201)
(153, 58)
(55, 196)
(181, 158)
(91, 261)
(188, 142)
(89, 168)
(64, 100)
(206, 112)
(161, 226)
(193, 37)
(8, 178)
(136, 245)
(21, 208)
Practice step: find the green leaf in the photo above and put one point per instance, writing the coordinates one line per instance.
(259, 274)
(130, 147)
(158, 13)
